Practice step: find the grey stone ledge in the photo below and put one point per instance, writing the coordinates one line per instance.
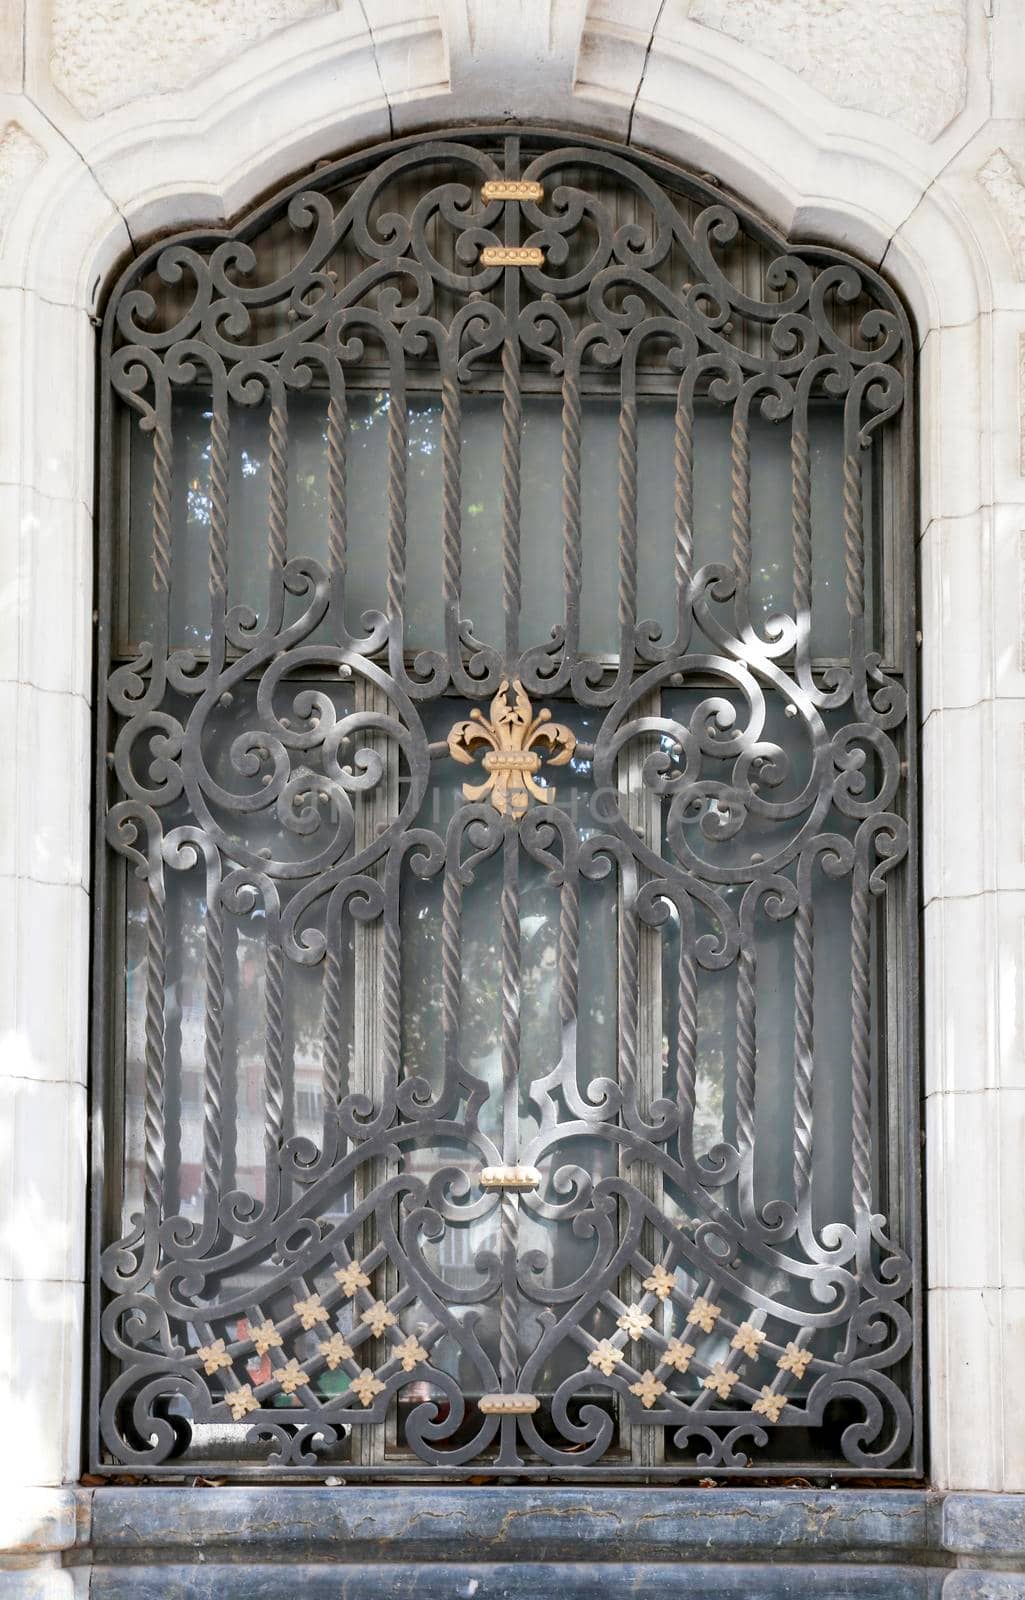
(523, 1580)
(368, 1542)
(534, 1524)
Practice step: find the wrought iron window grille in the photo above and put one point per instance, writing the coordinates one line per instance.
(505, 1011)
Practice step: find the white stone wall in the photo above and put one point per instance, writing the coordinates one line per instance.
(896, 129)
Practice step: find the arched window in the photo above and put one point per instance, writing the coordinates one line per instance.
(506, 901)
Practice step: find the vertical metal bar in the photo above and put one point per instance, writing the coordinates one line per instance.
(640, 1035)
(861, 1025)
(800, 488)
(277, 485)
(451, 504)
(451, 977)
(804, 1029)
(337, 487)
(740, 494)
(219, 503)
(746, 1039)
(683, 505)
(396, 442)
(627, 497)
(572, 559)
(853, 536)
(153, 1089)
(508, 1326)
(374, 1043)
(512, 423)
(512, 427)
(274, 1058)
(213, 1059)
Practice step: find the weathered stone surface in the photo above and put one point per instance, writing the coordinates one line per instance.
(1004, 182)
(20, 155)
(988, 1525)
(543, 1524)
(33, 1521)
(518, 1581)
(905, 59)
(984, 1586)
(104, 53)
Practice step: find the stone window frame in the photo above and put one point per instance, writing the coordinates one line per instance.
(812, 168)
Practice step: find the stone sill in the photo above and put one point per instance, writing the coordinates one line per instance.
(328, 1543)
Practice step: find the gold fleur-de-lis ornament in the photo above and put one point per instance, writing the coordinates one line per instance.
(510, 759)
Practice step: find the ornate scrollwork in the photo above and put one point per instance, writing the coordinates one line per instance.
(521, 1256)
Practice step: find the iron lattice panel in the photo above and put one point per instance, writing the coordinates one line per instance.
(753, 1335)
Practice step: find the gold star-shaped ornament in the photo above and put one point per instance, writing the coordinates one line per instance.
(241, 1401)
(265, 1337)
(748, 1339)
(634, 1321)
(606, 1357)
(704, 1314)
(310, 1311)
(291, 1377)
(794, 1360)
(366, 1386)
(410, 1352)
(648, 1390)
(335, 1350)
(677, 1354)
(721, 1380)
(769, 1405)
(213, 1356)
(351, 1278)
(377, 1317)
(660, 1282)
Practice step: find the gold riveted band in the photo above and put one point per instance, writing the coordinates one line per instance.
(510, 1178)
(511, 189)
(511, 255)
(508, 1405)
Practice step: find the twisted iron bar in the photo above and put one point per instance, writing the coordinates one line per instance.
(629, 957)
(800, 473)
(451, 492)
(337, 434)
(569, 947)
(219, 491)
(683, 501)
(213, 1063)
(153, 1089)
(854, 550)
(861, 1057)
(686, 1036)
(572, 558)
(274, 1068)
(746, 1045)
(277, 486)
(804, 1042)
(162, 463)
(397, 441)
(334, 1066)
(451, 968)
(627, 499)
(512, 428)
(740, 497)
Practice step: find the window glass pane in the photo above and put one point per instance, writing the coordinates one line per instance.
(481, 498)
